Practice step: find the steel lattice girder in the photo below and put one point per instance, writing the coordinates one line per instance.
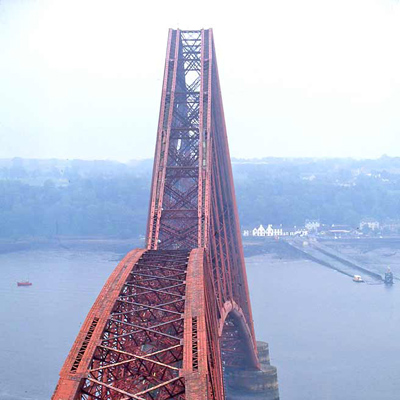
(148, 333)
(172, 317)
(190, 208)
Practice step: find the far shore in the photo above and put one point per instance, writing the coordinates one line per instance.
(84, 243)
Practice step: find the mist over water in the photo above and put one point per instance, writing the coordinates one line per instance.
(329, 337)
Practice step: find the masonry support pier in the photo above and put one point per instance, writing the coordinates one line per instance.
(247, 384)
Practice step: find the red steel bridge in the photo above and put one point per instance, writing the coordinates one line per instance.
(174, 316)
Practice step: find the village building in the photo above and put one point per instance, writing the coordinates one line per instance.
(268, 231)
(271, 231)
(370, 224)
(295, 232)
(337, 230)
(392, 226)
(312, 225)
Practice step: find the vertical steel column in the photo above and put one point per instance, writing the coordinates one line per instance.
(163, 134)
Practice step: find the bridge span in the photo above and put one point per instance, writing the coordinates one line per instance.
(174, 320)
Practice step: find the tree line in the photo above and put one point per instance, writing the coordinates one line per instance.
(111, 199)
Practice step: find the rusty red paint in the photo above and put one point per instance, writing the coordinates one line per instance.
(173, 316)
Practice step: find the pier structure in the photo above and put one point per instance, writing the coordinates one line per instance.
(331, 258)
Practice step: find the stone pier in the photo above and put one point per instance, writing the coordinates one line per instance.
(241, 384)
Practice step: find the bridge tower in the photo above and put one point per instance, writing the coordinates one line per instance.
(174, 320)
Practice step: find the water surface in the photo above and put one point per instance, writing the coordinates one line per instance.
(329, 337)
(40, 323)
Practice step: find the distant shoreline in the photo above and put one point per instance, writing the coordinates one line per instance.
(70, 242)
(119, 245)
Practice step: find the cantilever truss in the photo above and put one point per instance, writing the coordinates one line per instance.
(173, 316)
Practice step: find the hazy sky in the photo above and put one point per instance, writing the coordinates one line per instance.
(82, 78)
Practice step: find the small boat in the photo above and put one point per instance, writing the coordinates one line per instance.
(24, 283)
(388, 277)
(357, 278)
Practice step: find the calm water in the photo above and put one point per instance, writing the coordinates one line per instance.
(329, 337)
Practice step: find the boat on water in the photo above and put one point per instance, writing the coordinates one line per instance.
(24, 283)
(357, 278)
(388, 277)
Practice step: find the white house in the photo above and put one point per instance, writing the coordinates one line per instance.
(269, 231)
(370, 223)
(312, 225)
(260, 231)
